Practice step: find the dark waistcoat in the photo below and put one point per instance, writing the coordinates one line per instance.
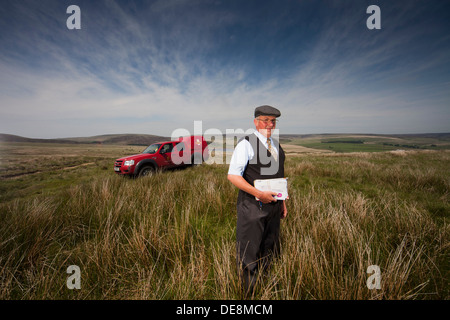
(259, 166)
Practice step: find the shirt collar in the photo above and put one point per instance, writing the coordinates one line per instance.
(262, 138)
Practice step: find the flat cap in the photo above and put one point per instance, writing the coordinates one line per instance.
(267, 111)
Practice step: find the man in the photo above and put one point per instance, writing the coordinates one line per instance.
(257, 156)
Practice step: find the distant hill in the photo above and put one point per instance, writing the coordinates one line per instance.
(120, 139)
(369, 142)
(334, 142)
(13, 138)
(439, 136)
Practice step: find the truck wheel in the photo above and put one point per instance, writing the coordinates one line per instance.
(146, 171)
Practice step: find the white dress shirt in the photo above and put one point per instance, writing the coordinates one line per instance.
(243, 153)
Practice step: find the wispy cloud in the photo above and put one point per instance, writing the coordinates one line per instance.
(152, 67)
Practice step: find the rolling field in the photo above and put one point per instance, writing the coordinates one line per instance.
(344, 143)
(171, 235)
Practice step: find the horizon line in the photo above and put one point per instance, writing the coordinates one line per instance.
(224, 134)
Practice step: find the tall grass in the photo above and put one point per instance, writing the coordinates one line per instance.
(171, 235)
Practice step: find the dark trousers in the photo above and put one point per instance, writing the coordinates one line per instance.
(257, 237)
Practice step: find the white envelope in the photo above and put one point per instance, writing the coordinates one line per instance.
(278, 185)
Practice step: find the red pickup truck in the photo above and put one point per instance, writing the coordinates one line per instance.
(192, 150)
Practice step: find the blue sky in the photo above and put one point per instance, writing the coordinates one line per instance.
(156, 66)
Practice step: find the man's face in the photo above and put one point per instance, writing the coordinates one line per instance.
(265, 125)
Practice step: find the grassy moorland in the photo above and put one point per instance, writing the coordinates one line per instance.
(171, 235)
(344, 143)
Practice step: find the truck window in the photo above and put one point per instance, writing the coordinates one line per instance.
(167, 148)
(152, 148)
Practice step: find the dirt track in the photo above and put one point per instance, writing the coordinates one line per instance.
(293, 149)
(18, 175)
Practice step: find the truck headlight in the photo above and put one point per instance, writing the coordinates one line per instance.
(128, 163)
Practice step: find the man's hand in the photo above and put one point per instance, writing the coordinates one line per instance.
(267, 196)
(241, 183)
